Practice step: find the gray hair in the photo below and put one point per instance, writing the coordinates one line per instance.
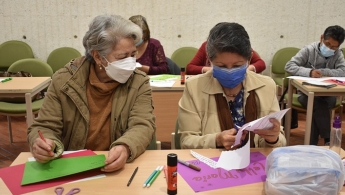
(105, 31)
(228, 37)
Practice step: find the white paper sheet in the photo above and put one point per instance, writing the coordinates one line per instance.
(228, 160)
(261, 123)
(315, 79)
(162, 83)
(235, 159)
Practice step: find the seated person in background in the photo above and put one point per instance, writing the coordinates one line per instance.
(150, 51)
(228, 95)
(201, 63)
(98, 101)
(320, 59)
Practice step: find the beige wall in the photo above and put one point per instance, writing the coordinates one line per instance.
(49, 24)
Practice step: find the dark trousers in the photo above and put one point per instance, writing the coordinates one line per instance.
(321, 121)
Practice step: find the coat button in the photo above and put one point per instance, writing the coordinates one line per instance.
(66, 89)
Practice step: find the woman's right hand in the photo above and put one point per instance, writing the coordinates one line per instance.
(227, 138)
(42, 150)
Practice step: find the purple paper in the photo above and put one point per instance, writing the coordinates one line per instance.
(211, 179)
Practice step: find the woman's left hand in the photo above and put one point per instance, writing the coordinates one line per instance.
(271, 134)
(116, 159)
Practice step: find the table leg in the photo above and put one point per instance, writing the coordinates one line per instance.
(287, 125)
(29, 115)
(309, 118)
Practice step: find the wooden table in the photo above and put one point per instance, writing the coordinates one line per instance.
(311, 92)
(115, 183)
(165, 101)
(24, 87)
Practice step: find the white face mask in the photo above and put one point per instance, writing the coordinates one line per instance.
(120, 70)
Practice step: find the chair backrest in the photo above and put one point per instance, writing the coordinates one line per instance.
(36, 67)
(343, 49)
(173, 68)
(177, 137)
(11, 51)
(153, 144)
(281, 57)
(183, 56)
(60, 57)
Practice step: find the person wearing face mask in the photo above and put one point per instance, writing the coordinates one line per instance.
(150, 51)
(99, 101)
(320, 59)
(214, 104)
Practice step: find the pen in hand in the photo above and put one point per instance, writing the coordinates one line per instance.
(42, 138)
(312, 66)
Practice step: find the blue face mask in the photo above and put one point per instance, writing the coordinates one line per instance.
(325, 51)
(230, 78)
(139, 43)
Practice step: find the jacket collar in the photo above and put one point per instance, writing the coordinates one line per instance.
(251, 82)
(75, 87)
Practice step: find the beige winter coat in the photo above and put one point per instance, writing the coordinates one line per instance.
(198, 117)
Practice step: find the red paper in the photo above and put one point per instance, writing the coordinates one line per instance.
(12, 176)
(335, 81)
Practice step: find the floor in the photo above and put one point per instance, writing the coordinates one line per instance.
(8, 152)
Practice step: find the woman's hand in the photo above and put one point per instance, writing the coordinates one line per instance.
(227, 138)
(270, 135)
(42, 150)
(144, 68)
(117, 158)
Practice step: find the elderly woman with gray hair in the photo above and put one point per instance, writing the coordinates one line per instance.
(99, 101)
(216, 103)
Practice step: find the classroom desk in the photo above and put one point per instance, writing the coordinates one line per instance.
(165, 101)
(24, 87)
(116, 183)
(311, 92)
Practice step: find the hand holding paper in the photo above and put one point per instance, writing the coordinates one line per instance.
(261, 123)
(270, 134)
(116, 159)
(226, 138)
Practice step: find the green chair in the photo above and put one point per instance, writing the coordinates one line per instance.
(183, 56)
(60, 57)
(37, 68)
(175, 138)
(12, 51)
(280, 58)
(343, 49)
(154, 145)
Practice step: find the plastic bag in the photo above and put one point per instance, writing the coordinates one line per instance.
(304, 170)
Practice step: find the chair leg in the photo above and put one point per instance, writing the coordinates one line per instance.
(173, 147)
(10, 128)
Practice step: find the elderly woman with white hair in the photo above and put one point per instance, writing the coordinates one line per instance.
(99, 101)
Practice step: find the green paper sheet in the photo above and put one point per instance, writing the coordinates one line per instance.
(36, 172)
(164, 77)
